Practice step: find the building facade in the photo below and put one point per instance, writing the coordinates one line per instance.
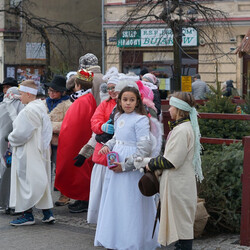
(149, 46)
(23, 51)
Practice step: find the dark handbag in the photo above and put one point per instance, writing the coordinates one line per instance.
(8, 156)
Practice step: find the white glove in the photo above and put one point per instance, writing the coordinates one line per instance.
(140, 163)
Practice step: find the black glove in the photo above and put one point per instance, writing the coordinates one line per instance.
(103, 138)
(80, 159)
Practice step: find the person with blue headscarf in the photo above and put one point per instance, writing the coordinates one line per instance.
(180, 164)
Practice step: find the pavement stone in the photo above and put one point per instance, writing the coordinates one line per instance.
(71, 231)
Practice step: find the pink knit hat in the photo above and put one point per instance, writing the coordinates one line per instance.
(145, 91)
(150, 77)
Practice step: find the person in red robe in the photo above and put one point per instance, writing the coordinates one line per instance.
(75, 133)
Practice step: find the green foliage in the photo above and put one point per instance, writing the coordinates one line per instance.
(61, 69)
(222, 165)
(221, 187)
(231, 129)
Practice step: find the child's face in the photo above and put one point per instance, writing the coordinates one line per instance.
(77, 87)
(173, 112)
(128, 102)
(24, 97)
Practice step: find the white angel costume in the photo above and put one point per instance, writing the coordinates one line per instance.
(31, 171)
(126, 217)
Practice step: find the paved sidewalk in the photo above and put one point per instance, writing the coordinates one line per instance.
(71, 232)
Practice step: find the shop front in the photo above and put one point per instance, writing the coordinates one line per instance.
(153, 49)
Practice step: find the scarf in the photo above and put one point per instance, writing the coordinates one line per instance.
(52, 103)
(78, 94)
(194, 122)
(173, 124)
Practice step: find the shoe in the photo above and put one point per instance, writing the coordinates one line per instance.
(12, 212)
(81, 207)
(76, 203)
(24, 220)
(63, 200)
(7, 210)
(48, 217)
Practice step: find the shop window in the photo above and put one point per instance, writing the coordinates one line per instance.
(161, 63)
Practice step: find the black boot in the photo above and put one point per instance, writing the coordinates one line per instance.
(185, 244)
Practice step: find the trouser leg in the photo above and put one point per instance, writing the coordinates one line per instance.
(184, 245)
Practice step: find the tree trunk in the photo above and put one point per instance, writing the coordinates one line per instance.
(177, 34)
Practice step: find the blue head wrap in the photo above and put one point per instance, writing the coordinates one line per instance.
(178, 103)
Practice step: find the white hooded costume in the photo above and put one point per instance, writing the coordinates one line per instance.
(31, 171)
(9, 109)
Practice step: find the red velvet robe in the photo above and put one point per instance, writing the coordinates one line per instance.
(72, 181)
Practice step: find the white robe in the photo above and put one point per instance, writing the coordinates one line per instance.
(31, 171)
(9, 110)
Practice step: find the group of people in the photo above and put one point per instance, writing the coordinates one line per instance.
(74, 133)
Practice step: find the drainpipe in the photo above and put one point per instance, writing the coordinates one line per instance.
(103, 40)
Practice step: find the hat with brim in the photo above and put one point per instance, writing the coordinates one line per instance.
(149, 184)
(9, 81)
(58, 83)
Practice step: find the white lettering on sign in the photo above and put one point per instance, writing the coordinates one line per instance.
(155, 37)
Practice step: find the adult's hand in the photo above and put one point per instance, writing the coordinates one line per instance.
(80, 159)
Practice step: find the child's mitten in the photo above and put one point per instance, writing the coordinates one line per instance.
(107, 127)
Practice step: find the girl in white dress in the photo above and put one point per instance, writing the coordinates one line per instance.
(126, 217)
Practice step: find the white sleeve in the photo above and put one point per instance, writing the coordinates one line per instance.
(22, 130)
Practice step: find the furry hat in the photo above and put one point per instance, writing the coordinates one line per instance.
(113, 80)
(87, 61)
(124, 83)
(113, 71)
(71, 73)
(70, 84)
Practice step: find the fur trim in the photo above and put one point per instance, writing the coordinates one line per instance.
(113, 71)
(156, 132)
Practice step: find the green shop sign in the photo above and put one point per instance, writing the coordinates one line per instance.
(155, 37)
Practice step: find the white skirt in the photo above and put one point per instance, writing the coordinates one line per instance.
(96, 182)
(126, 217)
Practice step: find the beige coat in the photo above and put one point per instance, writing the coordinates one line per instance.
(97, 81)
(178, 187)
(56, 117)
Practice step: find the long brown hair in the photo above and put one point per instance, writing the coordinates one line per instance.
(139, 108)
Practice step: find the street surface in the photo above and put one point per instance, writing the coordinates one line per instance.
(71, 232)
